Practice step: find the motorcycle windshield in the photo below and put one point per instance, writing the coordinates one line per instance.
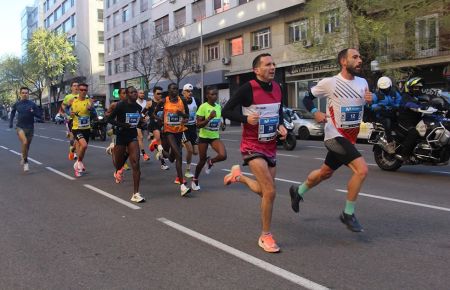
(100, 112)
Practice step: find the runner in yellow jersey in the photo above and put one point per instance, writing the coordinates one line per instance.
(65, 112)
(80, 111)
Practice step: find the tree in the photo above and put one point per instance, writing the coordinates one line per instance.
(10, 77)
(53, 56)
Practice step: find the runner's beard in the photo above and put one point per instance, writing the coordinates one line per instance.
(354, 71)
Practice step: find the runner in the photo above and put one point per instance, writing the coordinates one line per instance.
(126, 116)
(208, 120)
(80, 111)
(27, 111)
(262, 115)
(175, 115)
(346, 96)
(65, 111)
(190, 135)
(141, 101)
(155, 128)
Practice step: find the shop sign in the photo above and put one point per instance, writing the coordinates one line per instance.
(312, 68)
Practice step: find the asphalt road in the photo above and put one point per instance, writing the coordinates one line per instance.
(58, 232)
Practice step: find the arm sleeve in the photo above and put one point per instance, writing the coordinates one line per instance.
(233, 108)
(13, 114)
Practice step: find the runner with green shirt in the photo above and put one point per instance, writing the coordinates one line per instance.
(209, 117)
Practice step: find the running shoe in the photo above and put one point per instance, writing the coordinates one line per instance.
(233, 176)
(22, 162)
(152, 145)
(177, 180)
(158, 155)
(71, 156)
(81, 167)
(194, 185)
(126, 167)
(268, 244)
(75, 156)
(118, 175)
(184, 190)
(137, 197)
(77, 173)
(164, 167)
(109, 149)
(26, 167)
(188, 174)
(145, 157)
(351, 222)
(295, 198)
(209, 164)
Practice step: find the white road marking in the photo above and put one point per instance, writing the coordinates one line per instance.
(399, 201)
(229, 140)
(95, 146)
(57, 139)
(443, 172)
(276, 178)
(294, 278)
(113, 197)
(15, 152)
(319, 147)
(45, 137)
(6, 148)
(34, 161)
(60, 173)
(287, 155)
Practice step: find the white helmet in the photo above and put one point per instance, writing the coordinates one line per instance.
(384, 83)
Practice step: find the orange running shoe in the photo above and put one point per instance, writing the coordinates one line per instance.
(233, 176)
(118, 175)
(71, 155)
(145, 157)
(152, 145)
(177, 181)
(268, 244)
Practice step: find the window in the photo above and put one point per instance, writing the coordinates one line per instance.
(126, 63)
(135, 60)
(212, 51)
(67, 25)
(180, 17)
(65, 6)
(108, 25)
(236, 46)
(133, 9)
(46, 6)
(108, 4)
(50, 20)
(117, 65)
(59, 29)
(126, 38)
(58, 13)
(109, 68)
(134, 34)
(244, 1)
(108, 45)
(198, 10)
(116, 19)
(101, 59)
(101, 38)
(298, 31)
(116, 42)
(125, 14)
(72, 39)
(72, 20)
(144, 5)
(162, 24)
(261, 39)
(427, 31)
(101, 79)
(100, 15)
(330, 21)
(144, 30)
(192, 57)
(221, 5)
(72, 3)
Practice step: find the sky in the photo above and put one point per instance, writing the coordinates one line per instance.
(10, 28)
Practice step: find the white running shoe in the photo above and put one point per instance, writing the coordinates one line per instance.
(188, 174)
(137, 197)
(184, 190)
(164, 167)
(75, 166)
(81, 167)
(208, 167)
(110, 148)
(194, 186)
(26, 167)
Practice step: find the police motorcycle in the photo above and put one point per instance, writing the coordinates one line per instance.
(98, 122)
(433, 144)
(290, 142)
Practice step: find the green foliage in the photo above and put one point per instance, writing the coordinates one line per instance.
(10, 79)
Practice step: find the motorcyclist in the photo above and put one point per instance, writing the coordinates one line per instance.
(385, 103)
(409, 116)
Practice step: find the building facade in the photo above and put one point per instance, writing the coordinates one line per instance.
(82, 21)
(31, 20)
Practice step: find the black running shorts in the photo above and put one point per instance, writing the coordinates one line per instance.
(248, 156)
(82, 134)
(190, 135)
(340, 152)
(125, 139)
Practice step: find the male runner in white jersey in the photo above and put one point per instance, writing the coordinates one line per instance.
(145, 105)
(346, 96)
(190, 135)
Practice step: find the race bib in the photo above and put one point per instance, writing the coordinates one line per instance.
(173, 119)
(213, 125)
(84, 122)
(191, 120)
(351, 116)
(132, 119)
(267, 128)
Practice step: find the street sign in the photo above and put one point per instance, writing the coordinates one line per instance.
(115, 93)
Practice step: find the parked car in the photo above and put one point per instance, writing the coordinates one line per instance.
(304, 124)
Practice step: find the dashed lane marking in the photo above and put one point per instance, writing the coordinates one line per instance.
(443, 172)
(276, 178)
(6, 148)
(60, 173)
(34, 161)
(115, 198)
(280, 272)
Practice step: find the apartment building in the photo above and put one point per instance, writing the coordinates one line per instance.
(127, 22)
(31, 19)
(82, 21)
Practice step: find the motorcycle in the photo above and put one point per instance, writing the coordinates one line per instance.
(290, 142)
(431, 148)
(98, 124)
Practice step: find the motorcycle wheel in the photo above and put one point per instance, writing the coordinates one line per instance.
(103, 133)
(290, 142)
(385, 160)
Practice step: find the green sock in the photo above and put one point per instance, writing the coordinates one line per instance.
(302, 189)
(349, 207)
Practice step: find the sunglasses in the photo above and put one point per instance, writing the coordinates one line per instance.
(83, 90)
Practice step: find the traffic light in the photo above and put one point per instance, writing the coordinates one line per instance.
(115, 93)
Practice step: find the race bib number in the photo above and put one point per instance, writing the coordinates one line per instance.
(84, 122)
(132, 119)
(191, 120)
(351, 116)
(267, 128)
(173, 119)
(213, 125)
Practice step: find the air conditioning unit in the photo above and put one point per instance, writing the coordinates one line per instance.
(226, 60)
(307, 43)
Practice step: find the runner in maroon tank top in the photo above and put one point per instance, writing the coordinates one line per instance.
(258, 105)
